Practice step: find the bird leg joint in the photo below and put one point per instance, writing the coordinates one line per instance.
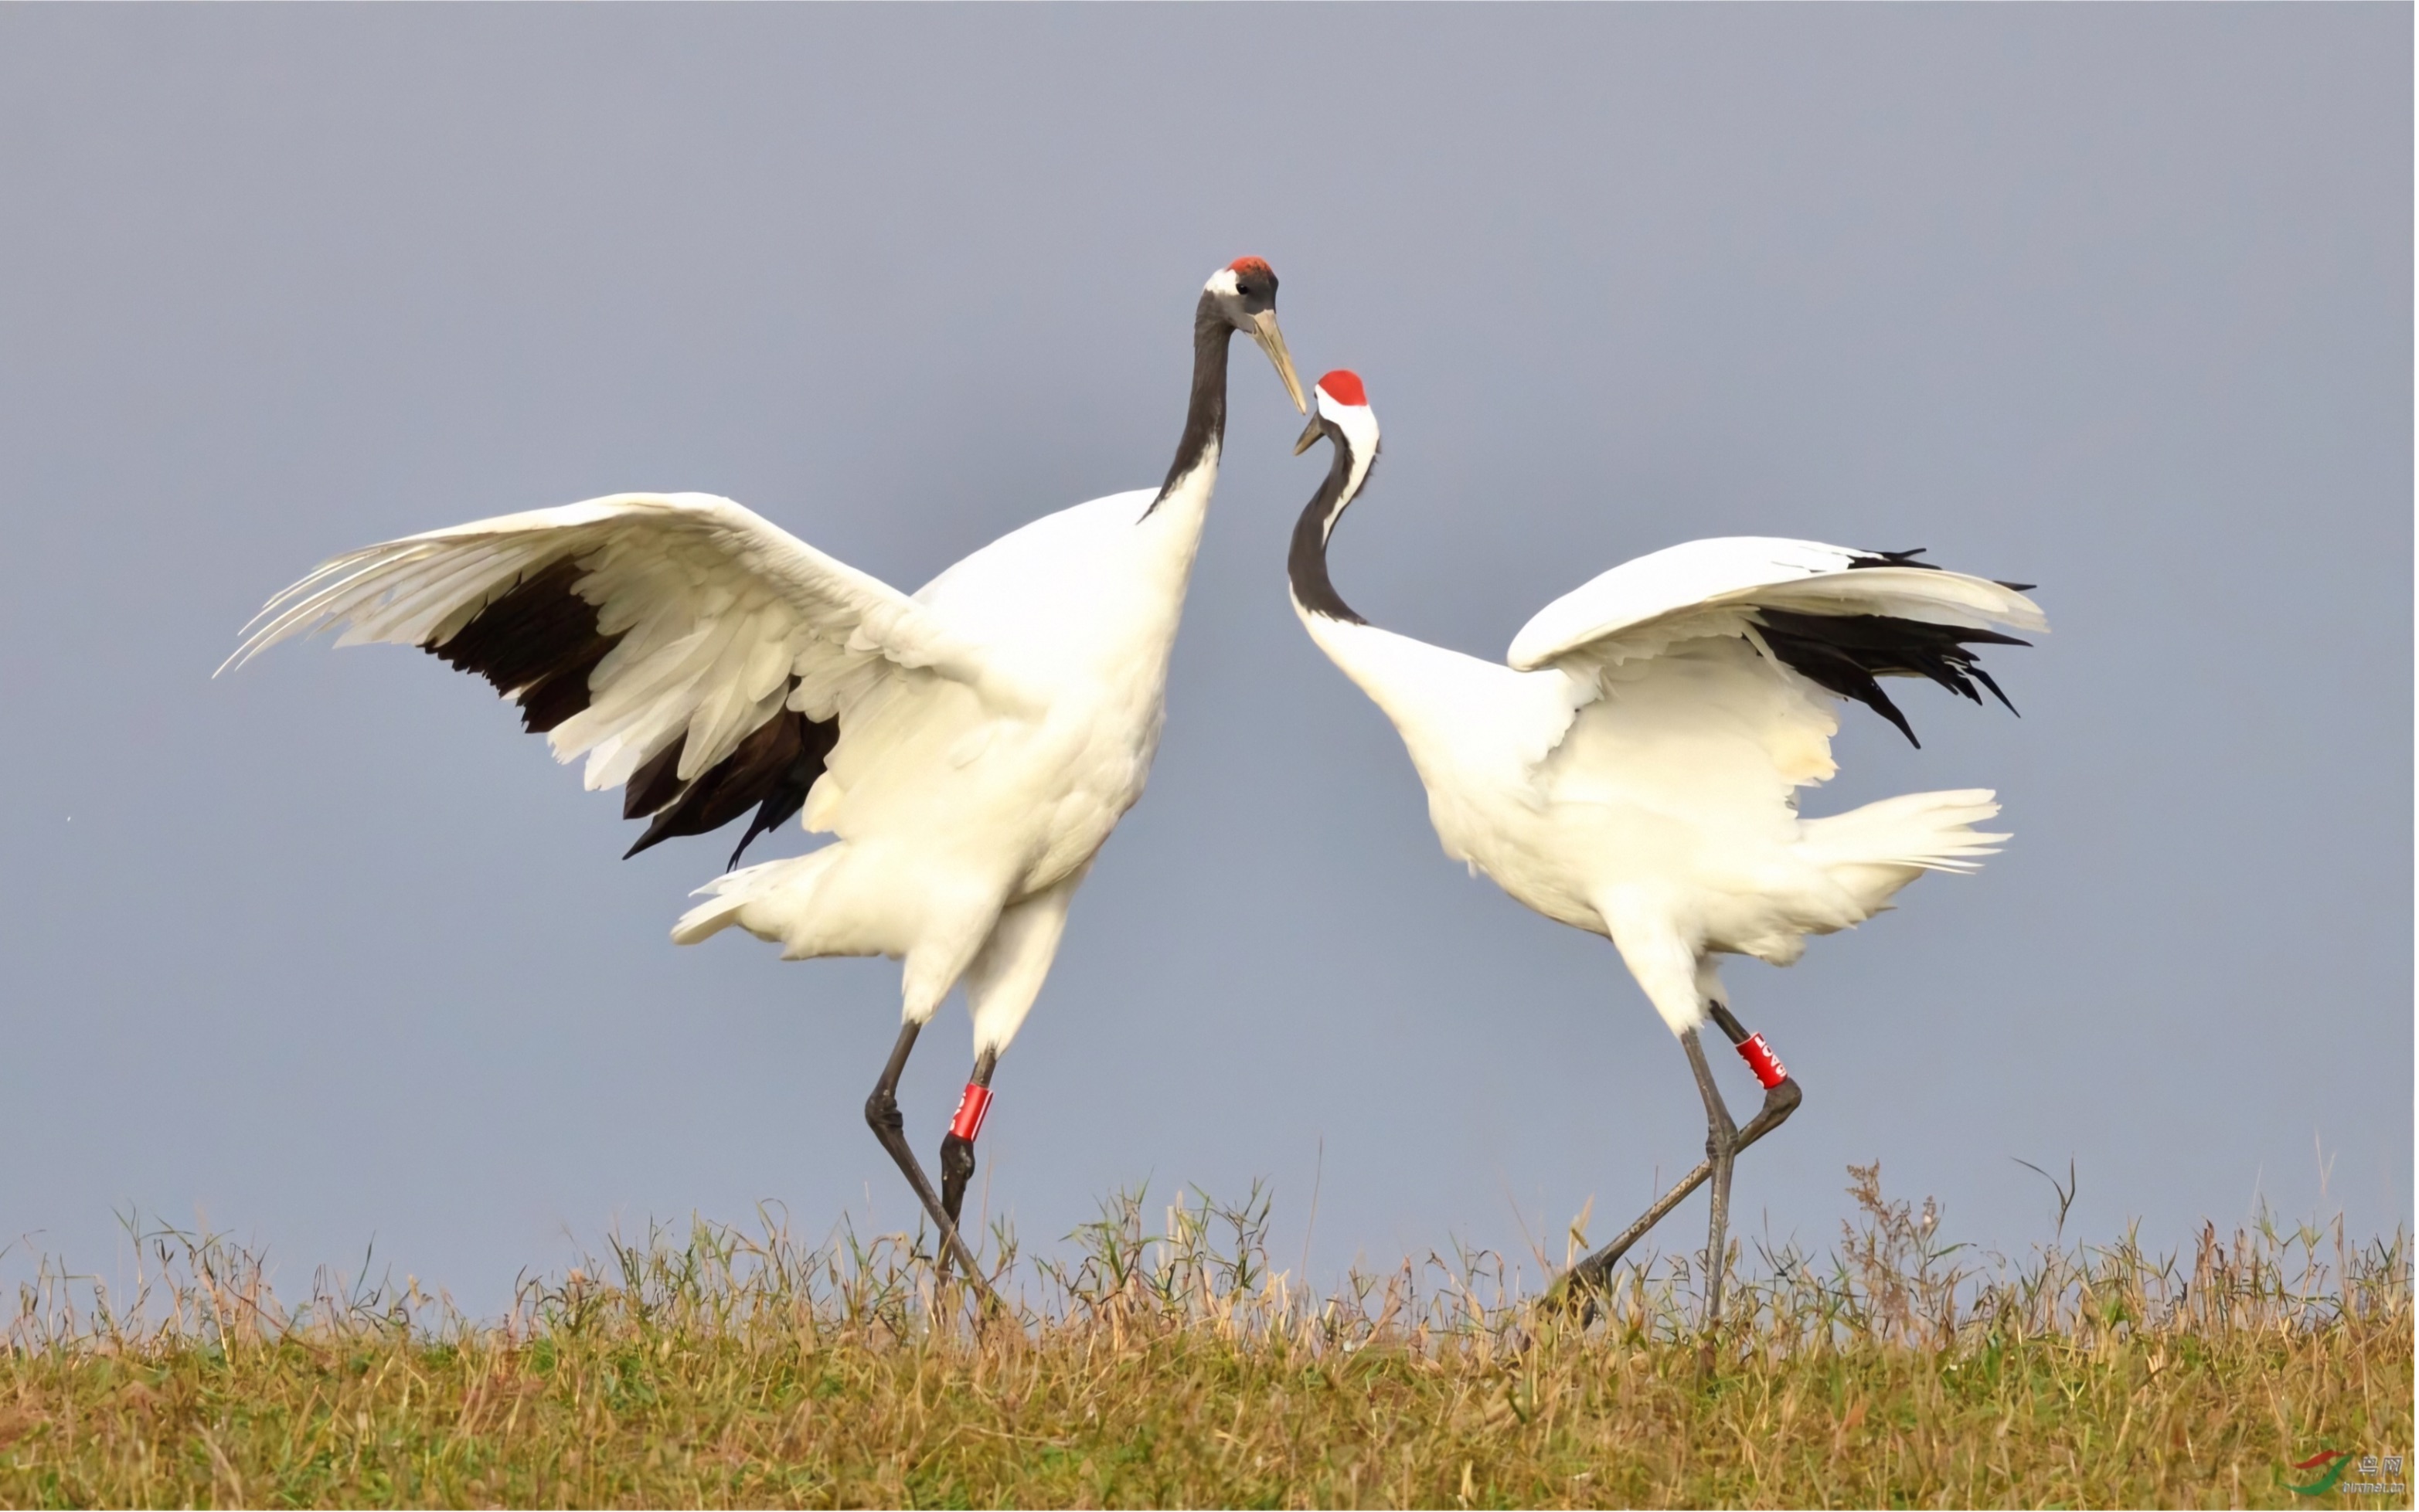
(882, 1112)
(958, 1147)
(957, 1168)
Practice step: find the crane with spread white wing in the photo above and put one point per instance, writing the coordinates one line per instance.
(1632, 771)
(970, 746)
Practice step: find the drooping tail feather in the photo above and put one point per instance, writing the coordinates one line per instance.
(1874, 851)
(772, 900)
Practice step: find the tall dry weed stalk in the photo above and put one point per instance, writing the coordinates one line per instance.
(1175, 1362)
(1892, 1280)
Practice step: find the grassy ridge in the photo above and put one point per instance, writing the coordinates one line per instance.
(713, 1369)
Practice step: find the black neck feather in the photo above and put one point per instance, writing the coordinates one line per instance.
(1307, 565)
(1205, 416)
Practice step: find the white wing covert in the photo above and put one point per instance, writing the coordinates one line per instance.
(1837, 617)
(681, 643)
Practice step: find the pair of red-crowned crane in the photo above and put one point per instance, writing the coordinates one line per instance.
(1631, 771)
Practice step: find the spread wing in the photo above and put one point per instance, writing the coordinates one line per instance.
(685, 646)
(1839, 619)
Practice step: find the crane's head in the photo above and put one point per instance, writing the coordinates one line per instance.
(1344, 413)
(1344, 417)
(1244, 294)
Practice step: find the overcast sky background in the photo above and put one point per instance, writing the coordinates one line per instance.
(2115, 300)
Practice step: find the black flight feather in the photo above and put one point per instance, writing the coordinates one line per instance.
(1845, 654)
(539, 644)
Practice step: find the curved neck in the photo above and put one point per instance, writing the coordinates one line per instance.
(1306, 565)
(1205, 416)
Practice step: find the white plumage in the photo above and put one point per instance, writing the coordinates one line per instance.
(960, 809)
(994, 728)
(1632, 769)
(716, 608)
(970, 747)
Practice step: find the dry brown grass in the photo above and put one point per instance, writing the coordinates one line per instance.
(719, 1368)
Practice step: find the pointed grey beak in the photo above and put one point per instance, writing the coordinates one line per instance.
(1309, 434)
(1264, 330)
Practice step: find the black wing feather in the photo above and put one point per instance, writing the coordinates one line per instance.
(539, 644)
(1845, 654)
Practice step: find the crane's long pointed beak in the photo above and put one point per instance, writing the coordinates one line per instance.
(1309, 434)
(1264, 330)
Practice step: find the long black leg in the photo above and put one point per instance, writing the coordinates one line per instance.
(1589, 1277)
(1722, 1152)
(881, 1115)
(958, 1149)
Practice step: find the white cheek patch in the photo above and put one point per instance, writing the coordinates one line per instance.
(1223, 282)
(1359, 424)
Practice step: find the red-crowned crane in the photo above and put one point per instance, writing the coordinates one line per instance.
(970, 746)
(1632, 773)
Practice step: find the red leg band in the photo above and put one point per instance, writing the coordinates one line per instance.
(1761, 1059)
(971, 1108)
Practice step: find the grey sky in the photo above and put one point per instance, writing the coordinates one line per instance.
(2115, 300)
